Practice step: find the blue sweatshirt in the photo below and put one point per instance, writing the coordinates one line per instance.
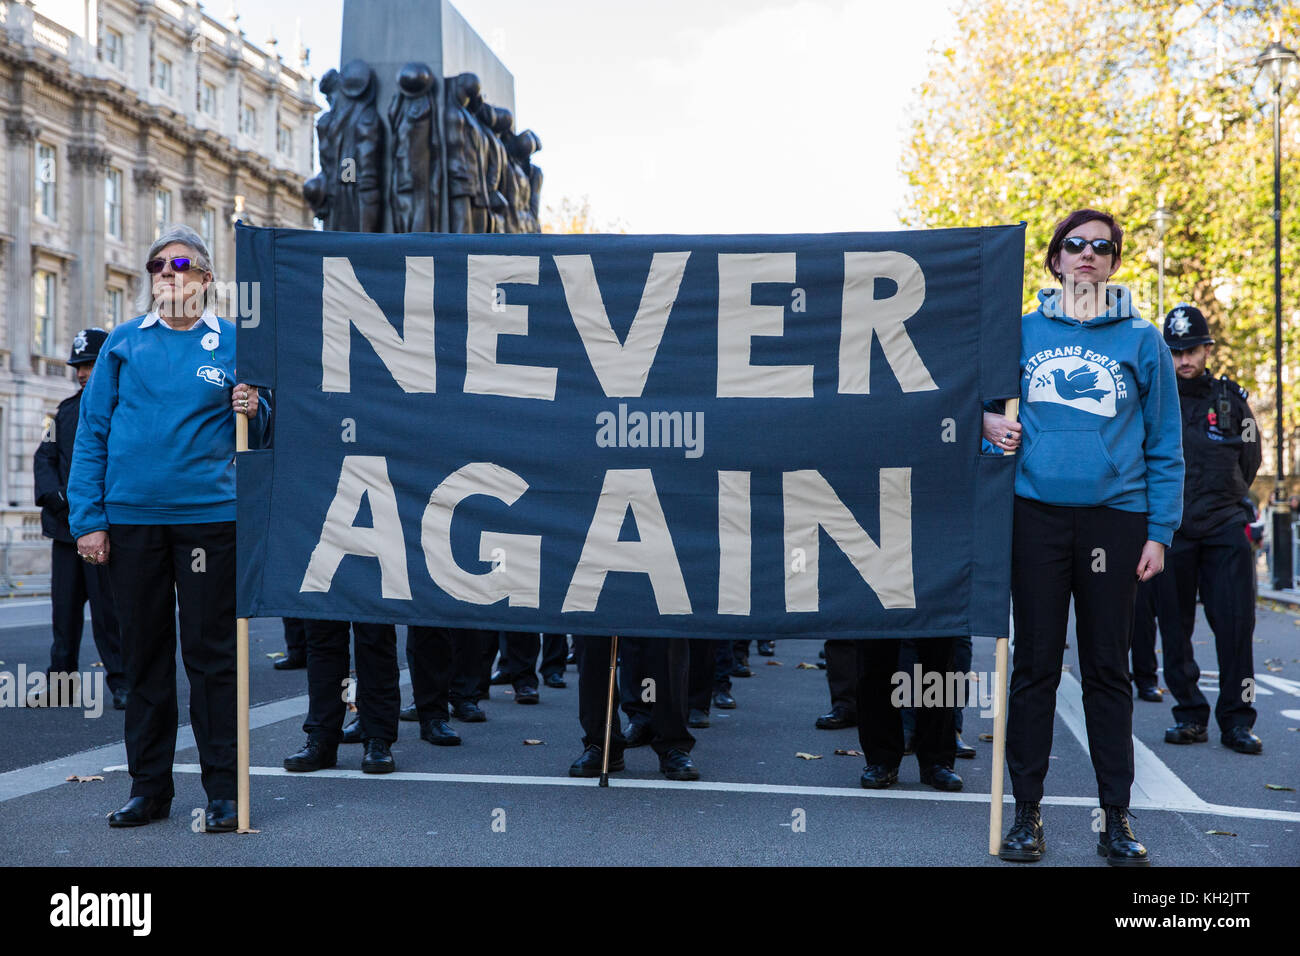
(156, 441)
(1101, 416)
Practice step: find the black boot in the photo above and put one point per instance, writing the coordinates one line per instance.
(1024, 842)
(1117, 842)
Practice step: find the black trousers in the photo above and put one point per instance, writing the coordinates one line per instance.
(555, 654)
(295, 634)
(880, 720)
(1143, 642)
(665, 661)
(842, 675)
(1157, 600)
(961, 659)
(154, 568)
(440, 659)
(700, 672)
(487, 642)
(327, 672)
(519, 656)
(1221, 567)
(73, 582)
(1092, 554)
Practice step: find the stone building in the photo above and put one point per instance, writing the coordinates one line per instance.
(121, 115)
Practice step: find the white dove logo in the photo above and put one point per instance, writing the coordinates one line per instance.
(1085, 386)
(1178, 322)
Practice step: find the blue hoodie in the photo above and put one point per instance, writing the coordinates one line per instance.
(156, 441)
(1101, 416)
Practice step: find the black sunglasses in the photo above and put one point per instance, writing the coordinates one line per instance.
(179, 264)
(1075, 245)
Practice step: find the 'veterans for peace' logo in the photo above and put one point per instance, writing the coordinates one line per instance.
(1082, 385)
(213, 375)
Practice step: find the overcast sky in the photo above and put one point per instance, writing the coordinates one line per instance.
(695, 115)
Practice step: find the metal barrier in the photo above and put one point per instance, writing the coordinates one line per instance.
(24, 562)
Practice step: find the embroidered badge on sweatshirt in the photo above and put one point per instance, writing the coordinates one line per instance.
(212, 375)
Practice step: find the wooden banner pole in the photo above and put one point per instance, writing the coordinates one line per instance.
(243, 789)
(999, 713)
(609, 711)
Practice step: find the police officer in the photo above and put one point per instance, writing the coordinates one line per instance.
(72, 580)
(1210, 551)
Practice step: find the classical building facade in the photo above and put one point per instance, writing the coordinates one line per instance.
(119, 116)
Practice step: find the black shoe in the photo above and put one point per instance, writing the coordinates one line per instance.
(638, 734)
(1185, 732)
(139, 811)
(411, 713)
(555, 680)
(378, 758)
(439, 733)
(120, 697)
(468, 712)
(222, 816)
(837, 719)
(941, 778)
(676, 765)
(352, 732)
(1242, 740)
(742, 670)
(697, 718)
(767, 648)
(500, 677)
(724, 701)
(588, 765)
(822, 653)
(964, 750)
(1117, 843)
(909, 745)
(1150, 692)
(293, 661)
(1024, 842)
(313, 756)
(877, 776)
(527, 695)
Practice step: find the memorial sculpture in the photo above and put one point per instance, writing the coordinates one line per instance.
(415, 179)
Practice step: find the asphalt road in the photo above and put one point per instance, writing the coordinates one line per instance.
(496, 800)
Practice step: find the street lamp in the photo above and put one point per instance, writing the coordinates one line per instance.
(1161, 220)
(1278, 65)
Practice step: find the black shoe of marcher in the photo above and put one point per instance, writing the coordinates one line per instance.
(837, 719)
(964, 750)
(877, 776)
(767, 648)
(221, 816)
(411, 713)
(941, 778)
(139, 811)
(697, 718)
(742, 670)
(378, 758)
(1242, 740)
(468, 712)
(293, 661)
(1150, 692)
(527, 695)
(588, 765)
(677, 765)
(439, 733)
(638, 734)
(555, 680)
(1184, 732)
(500, 677)
(314, 755)
(1024, 842)
(120, 697)
(1118, 844)
(724, 701)
(352, 732)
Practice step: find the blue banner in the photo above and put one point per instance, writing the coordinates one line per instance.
(695, 436)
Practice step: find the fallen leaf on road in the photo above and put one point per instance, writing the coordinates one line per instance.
(805, 666)
(1272, 669)
(1219, 833)
(249, 830)
(530, 742)
(97, 664)
(775, 664)
(274, 654)
(986, 736)
(808, 756)
(848, 753)
(1200, 642)
(1065, 667)
(74, 778)
(1278, 786)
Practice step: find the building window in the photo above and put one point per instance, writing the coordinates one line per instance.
(162, 74)
(248, 121)
(43, 302)
(162, 211)
(113, 52)
(113, 308)
(46, 170)
(208, 231)
(284, 141)
(208, 99)
(113, 203)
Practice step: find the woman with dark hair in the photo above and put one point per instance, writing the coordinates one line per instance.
(1098, 497)
(152, 496)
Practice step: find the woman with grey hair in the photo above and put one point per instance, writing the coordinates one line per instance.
(152, 495)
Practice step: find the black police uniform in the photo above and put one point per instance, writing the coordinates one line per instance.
(1210, 552)
(73, 580)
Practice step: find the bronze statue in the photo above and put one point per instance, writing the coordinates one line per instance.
(360, 141)
(319, 190)
(522, 148)
(415, 181)
(465, 149)
(497, 170)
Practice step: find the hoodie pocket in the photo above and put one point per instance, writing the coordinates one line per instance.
(1070, 466)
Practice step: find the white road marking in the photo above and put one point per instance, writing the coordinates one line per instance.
(1281, 683)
